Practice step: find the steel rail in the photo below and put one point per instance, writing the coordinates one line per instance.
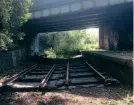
(67, 75)
(16, 76)
(97, 72)
(47, 77)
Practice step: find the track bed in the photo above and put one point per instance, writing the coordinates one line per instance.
(48, 77)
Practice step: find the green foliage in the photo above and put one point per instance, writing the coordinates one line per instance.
(5, 12)
(50, 53)
(5, 40)
(19, 14)
(60, 44)
(13, 13)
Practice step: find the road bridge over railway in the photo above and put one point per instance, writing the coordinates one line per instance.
(114, 18)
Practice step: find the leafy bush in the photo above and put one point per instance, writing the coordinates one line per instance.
(5, 40)
(60, 44)
(50, 53)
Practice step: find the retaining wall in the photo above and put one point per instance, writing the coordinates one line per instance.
(11, 59)
(116, 67)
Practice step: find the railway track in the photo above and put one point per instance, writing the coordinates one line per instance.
(48, 77)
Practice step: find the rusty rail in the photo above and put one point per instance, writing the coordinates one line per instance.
(47, 77)
(67, 75)
(16, 76)
(42, 84)
(97, 72)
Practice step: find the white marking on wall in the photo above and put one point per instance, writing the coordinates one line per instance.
(76, 6)
(64, 9)
(46, 12)
(87, 4)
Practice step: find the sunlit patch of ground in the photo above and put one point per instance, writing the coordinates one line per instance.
(81, 96)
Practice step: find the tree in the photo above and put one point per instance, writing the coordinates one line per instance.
(13, 14)
(62, 43)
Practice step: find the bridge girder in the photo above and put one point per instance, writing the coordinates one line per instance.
(95, 17)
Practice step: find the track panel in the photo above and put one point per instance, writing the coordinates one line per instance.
(56, 76)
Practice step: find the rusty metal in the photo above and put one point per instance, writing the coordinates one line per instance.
(70, 78)
(16, 76)
(67, 75)
(97, 72)
(47, 77)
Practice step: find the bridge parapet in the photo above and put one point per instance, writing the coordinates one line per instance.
(44, 8)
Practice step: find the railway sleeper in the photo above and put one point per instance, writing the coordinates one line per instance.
(54, 77)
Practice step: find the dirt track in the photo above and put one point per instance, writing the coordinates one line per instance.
(83, 96)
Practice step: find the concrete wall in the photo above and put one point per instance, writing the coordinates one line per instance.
(34, 47)
(118, 35)
(10, 59)
(43, 8)
(116, 39)
(108, 39)
(115, 66)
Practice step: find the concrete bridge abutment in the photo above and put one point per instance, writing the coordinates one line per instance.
(116, 38)
(34, 46)
(108, 38)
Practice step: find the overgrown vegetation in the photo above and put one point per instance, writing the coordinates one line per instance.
(13, 13)
(62, 44)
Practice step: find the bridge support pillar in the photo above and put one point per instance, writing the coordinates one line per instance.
(108, 38)
(119, 37)
(34, 48)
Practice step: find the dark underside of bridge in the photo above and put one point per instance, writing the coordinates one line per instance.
(117, 16)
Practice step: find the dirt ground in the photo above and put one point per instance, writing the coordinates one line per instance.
(79, 96)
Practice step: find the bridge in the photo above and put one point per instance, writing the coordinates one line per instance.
(56, 7)
(112, 17)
